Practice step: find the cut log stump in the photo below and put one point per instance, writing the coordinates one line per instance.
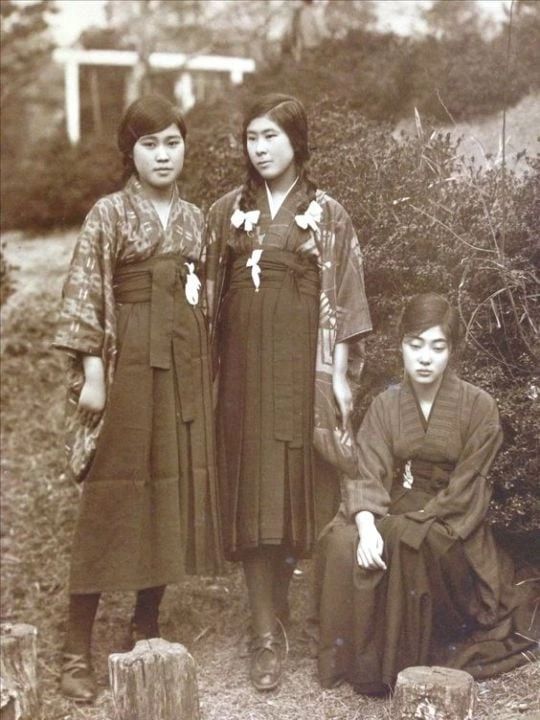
(19, 697)
(433, 693)
(157, 680)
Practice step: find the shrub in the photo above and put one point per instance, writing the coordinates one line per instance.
(57, 184)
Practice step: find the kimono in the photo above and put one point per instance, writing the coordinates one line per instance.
(445, 597)
(267, 353)
(149, 500)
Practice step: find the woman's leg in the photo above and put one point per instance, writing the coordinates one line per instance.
(78, 681)
(82, 613)
(266, 645)
(259, 574)
(144, 624)
(283, 568)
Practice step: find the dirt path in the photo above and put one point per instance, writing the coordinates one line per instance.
(39, 264)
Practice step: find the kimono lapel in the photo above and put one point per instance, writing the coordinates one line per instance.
(280, 231)
(147, 236)
(443, 419)
(410, 419)
(145, 232)
(431, 437)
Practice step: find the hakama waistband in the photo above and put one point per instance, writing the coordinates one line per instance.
(293, 276)
(161, 281)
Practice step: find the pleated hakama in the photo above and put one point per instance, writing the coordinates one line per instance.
(265, 410)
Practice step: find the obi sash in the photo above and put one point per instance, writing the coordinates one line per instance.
(160, 280)
(428, 478)
(294, 277)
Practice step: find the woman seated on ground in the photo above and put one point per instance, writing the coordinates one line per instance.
(408, 572)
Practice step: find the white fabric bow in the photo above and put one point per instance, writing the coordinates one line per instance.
(311, 217)
(408, 477)
(193, 285)
(247, 219)
(253, 263)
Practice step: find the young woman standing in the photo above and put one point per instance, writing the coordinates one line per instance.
(140, 428)
(286, 293)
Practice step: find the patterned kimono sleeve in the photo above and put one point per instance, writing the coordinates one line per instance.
(463, 504)
(370, 490)
(353, 316)
(211, 256)
(81, 320)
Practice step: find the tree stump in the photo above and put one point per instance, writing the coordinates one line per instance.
(157, 680)
(18, 672)
(433, 693)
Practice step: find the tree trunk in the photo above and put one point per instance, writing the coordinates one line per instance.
(18, 672)
(157, 679)
(433, 693)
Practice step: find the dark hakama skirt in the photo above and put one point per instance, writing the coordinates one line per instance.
(374, 623)
(149, 501)
(267, 341)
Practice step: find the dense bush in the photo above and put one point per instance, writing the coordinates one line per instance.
(56, 184)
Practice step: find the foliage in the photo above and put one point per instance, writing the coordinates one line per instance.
(6, 277)
(59, 183)
(24, 43)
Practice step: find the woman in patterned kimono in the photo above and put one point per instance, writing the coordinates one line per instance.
(140, 429)
(286, 291)
(408, 572)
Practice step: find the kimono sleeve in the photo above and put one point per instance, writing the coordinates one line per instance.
(369, 491)
(463, 504)
(211, 254)
(353, 316)
(81, 320)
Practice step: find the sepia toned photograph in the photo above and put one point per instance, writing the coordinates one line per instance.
(270, 360)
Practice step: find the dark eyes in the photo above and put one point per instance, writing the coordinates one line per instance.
(151, 144)
(415, 345)
(266, 136)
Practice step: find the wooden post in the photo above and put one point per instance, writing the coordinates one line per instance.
(73, 103)
(433, 693)
(18, 671)
(157, 680)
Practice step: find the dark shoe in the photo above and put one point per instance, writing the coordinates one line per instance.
(268, 654)
(78, 681)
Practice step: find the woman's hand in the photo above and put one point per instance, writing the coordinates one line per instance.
(370, 543)
(93, 394)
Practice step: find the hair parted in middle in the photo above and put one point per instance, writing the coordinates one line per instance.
(428, 310)
(289, 113)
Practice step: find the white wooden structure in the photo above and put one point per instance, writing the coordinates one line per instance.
(72, 58)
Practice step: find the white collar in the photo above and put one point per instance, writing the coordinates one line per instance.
(275, 205)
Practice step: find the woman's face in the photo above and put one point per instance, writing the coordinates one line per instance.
(159, 157)
(269, 149)
(425, 356)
